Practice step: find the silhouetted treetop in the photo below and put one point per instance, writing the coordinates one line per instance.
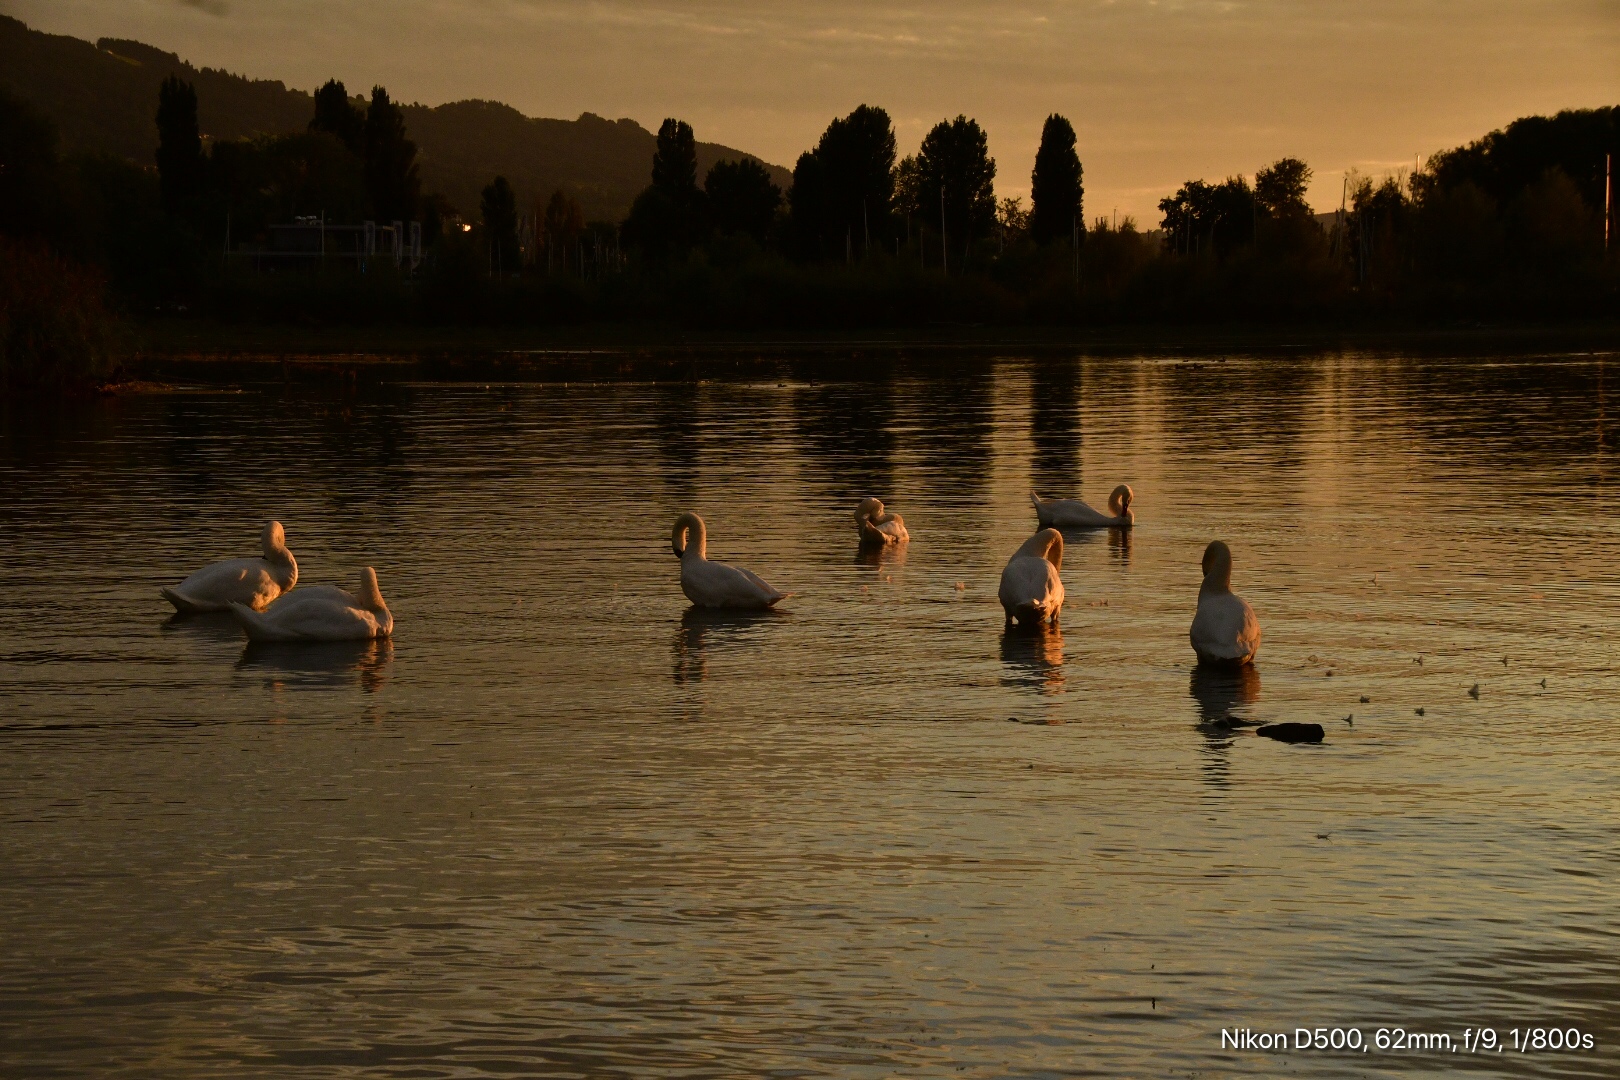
(957, 179)
(1056, 192)
(1506, 162)
(667, 218)
(674, 168)
(1280, 186)
(807, 201)
(498, 208)
(336, 115)
(857, 168)
(1213, 219)
(742, 198)
(179, 150)
(907, 189)
(391, 171)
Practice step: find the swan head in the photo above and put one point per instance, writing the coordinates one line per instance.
(689, 535)
(1119, 502)
(273, 539)
(1217, 567)
(869, 510)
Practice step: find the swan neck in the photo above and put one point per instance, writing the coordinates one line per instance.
(691, 537)
(274, 543)
(369, 594)
(1218, 580)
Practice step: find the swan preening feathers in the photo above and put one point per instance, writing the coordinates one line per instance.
(321, 613)
(1074, 514)
(1031, 585)
(877, 526)
(711, 584)
(253, 583)
(1224, 631)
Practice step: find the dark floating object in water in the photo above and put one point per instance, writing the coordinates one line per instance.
(1544, 684)
(1292, 733)
(1420, 712)
(1473, 691)
(1228, 722)
(1365, 700)
(1351, 719)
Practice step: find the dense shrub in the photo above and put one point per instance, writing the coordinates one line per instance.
(54, 332)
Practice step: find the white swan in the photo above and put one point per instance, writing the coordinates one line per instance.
(878, 527)
(1224, 631)
(1031, 588)
(712, 584)
(253, 582)
(321, 613)
(1074, 514)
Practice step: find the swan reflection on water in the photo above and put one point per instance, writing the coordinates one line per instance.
(706, 630)
(1119, 544)
(881, 556)
(331, 664)
(1033, 657)
(1222, 694)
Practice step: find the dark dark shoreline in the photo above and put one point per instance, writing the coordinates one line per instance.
(213, 352)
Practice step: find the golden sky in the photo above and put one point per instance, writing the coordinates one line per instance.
(1160, 91)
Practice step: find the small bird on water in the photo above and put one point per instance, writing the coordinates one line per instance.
(1473, 691)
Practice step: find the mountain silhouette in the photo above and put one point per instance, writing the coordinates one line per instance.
(103, 98)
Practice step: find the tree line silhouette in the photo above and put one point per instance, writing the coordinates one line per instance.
(1513, 224)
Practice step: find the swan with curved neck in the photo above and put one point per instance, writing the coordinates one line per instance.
(878, 526)
(321, 613)
(253, 582)
(1074, 514)
(1031, 585)
(711, 584)
(1224, 630)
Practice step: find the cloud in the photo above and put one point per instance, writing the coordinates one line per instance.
(216, 8)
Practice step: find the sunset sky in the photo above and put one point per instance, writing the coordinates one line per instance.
(1160, 91)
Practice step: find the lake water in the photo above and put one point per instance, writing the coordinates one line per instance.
(562, 826)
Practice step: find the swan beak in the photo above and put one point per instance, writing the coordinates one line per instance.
(675, 550)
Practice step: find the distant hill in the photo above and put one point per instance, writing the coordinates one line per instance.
(103, 98)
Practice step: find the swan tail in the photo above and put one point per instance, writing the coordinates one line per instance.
(252, 623)
(182, 603)
(1043, 516)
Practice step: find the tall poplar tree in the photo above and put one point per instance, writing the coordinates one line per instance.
(179, 150)
(391, 174)
(336, 115)
(1055, 188)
